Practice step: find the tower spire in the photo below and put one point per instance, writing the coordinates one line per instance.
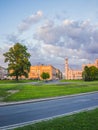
(66, 68)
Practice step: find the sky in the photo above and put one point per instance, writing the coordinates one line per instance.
(52, 30)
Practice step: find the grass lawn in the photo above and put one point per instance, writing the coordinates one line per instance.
(14, 81)
(64, 80)
(20, 92)
(81, 121)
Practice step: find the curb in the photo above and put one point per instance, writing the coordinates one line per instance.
(43, 99)
(11, 127)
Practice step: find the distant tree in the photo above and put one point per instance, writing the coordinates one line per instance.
(45, 75)
(86, 74)
(90, 73)
(93, 72)
(18, 60)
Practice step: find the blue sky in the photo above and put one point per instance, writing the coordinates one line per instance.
(51, 29)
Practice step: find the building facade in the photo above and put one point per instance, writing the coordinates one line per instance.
(90, 64)
(3, 73)
(36, 71)
(76, 74)
(70, 73)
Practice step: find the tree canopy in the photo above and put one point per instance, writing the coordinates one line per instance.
(90, 73)
(18, 61)
(45, 75)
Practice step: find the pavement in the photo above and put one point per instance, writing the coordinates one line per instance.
(44, 99)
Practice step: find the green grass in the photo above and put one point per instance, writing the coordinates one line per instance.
(14, 81)
(81, 121)
(64, 80)
(29, 91)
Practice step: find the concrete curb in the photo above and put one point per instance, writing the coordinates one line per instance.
(42, 99)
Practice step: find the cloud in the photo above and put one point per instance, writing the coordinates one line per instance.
(73, 39)
(69, 33)
(29, 21)
(4, 48)
(12, 38)
(48, 33)
(53, 41)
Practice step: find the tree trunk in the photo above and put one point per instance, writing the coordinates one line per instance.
(16, 77)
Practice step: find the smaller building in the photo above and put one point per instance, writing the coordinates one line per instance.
(36, 71)
(70, 73)
(58, 74)
(3, 73)
(90, 64)
(77, 74)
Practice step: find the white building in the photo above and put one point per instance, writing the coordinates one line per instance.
(3, 72)
(70, 73)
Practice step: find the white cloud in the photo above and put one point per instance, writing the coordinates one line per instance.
(74, 39)
(54, 41)
(48, 33)
(12, 38)
(67, 22)
(4, 48)
(29, 21)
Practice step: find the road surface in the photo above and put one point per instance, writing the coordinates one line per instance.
(24, 113)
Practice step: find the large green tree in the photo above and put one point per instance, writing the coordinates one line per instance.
(18, 60)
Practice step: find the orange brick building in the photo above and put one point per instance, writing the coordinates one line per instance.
(76, 74)
(36, 71)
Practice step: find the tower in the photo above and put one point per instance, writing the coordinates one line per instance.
(66, 68)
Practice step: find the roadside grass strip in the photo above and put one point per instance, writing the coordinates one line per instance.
(87, 120)
(22, 92)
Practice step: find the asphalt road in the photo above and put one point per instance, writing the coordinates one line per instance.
(17, 114)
